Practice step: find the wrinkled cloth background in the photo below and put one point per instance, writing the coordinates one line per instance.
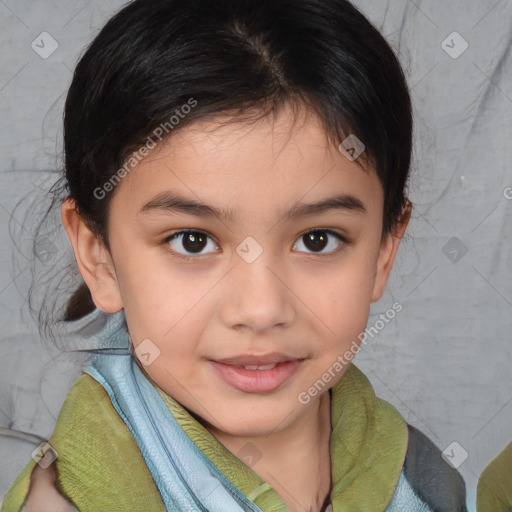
(444, 361)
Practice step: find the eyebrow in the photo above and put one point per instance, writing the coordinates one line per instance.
(167, 202)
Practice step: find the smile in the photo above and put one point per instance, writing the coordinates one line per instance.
(256, 378)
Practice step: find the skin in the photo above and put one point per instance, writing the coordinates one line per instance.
(44, 496)
(308, 304)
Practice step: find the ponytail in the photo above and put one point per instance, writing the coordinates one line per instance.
(79, 304)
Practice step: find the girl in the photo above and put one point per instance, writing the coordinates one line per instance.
(235, 175)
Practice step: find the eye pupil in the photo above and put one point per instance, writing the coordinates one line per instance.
(315, 240)
(194, 241)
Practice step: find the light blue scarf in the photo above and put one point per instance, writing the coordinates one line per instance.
(186, 479)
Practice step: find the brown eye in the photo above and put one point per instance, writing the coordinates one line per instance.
(317, 240)
(190, 242)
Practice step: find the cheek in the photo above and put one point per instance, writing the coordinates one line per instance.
(344, 303)
(156, 290)
(170, 307)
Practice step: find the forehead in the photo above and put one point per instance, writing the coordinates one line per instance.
(250, 166)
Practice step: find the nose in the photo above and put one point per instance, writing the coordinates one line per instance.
(257, 297)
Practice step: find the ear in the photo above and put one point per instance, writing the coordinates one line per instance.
(93, 260)
(387, 253)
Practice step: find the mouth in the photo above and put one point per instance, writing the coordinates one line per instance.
(253, 374)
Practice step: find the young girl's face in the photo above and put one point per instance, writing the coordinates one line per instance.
(252, 282)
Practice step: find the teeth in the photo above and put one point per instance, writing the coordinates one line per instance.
(260, 367)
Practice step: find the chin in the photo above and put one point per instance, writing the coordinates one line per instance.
(252, 430)
(254, 424)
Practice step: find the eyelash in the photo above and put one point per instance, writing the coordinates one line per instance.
(337, 235)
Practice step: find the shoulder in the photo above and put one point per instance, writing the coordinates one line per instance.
(433, 480)
(494, 491)
(99, 465)
(87, 411)
(99, 462)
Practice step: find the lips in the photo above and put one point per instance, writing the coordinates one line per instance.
(256, 374)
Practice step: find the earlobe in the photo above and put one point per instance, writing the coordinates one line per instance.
(387, 253)
(93, 260)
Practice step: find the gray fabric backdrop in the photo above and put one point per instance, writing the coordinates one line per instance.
(445, 360)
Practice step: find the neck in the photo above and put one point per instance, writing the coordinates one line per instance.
(295, 461)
